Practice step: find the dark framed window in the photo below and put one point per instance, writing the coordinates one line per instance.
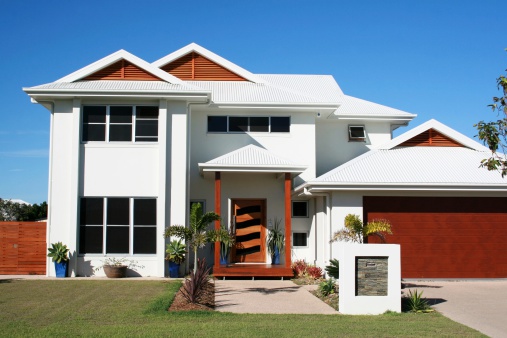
(117, 225)
(243, 124)
(300, 239)
(110, 123)
(280, 124)
(357, 133)
(299, 208)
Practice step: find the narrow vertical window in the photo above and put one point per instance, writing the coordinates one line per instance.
(146, 124)
(120, 123)
(94, 123)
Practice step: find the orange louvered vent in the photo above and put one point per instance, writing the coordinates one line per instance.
(196, 67)
(430, 138)
(122, 70)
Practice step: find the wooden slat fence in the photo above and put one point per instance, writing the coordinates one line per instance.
(23, 248)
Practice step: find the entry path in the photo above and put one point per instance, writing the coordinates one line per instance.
(267, 296)
(481, 305)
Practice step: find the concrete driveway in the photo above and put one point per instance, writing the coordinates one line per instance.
(481, 305)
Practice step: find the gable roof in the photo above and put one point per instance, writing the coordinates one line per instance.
(393, 167)
(441, 128)
(251, 158)
(113, 58)
(193, 47)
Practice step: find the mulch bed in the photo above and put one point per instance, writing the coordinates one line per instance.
(206, 302)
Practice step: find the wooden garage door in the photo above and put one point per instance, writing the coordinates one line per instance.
(23, 248)
(443, 237)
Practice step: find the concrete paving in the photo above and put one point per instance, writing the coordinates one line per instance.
(267, 296)
(481, 305)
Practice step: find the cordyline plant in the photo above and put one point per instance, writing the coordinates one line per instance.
(197, 234)
(194, 286)
(356, 231)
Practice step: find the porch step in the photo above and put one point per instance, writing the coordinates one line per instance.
(252, 270)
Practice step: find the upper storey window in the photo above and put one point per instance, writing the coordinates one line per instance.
(243, 124)
(357, 133)
(120, 123)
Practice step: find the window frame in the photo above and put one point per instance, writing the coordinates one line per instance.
(249, 125)
(357, 138)
(292, 208)
(306, 239)
(105, 226)
(133, 124)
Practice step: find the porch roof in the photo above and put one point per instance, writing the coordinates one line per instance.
(251, 158)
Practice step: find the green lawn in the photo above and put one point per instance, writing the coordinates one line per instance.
(124, 308)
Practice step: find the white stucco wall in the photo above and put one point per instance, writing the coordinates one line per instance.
(334, 147)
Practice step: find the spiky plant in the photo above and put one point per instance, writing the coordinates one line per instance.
(333, 269)
(58, 252)
(276, 238)
(355, 230)
(194, 286)
(414, 302)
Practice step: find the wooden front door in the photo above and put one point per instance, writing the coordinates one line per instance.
(249, 218)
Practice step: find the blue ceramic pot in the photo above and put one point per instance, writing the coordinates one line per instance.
(174, 270)
(61, 269)
(275, 259)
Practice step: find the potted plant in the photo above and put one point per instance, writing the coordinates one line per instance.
(227, 239)
(117, 267)
(276, 241)
(175, 255)
(59, 254)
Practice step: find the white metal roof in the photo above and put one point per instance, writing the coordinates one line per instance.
(251, 158)
(352, 107)
(393, 167)
(106, 85)
(276, 90)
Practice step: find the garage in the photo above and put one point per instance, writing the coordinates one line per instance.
(445, 237)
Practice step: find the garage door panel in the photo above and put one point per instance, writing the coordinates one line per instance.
(444, 237)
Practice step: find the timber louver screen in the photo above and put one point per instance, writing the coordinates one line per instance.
(430, 138)
(122, 70)
(196, 67)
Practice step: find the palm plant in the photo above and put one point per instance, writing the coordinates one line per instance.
(225, 237)
(355, 230)
(276, 238)
(197, 234)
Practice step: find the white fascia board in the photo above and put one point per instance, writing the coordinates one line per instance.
(112, 58)
(374, 117)
(193, 47)
(440, 127)
(320, 187)
(206, 167)
(37, 94)
(275, 105)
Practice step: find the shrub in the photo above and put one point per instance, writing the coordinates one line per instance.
(414, 302)
(194, 286)
(299, 268)
(327, 287)
(314, 272)
(333, 269)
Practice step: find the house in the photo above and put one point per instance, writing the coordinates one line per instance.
(134, 144)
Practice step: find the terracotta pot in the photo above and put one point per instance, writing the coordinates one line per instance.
(115, 271)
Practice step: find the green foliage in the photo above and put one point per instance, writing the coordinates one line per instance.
(327, 287)
(276, 238)
(355, 230)
(414, 302)
(197, 234)
(12, 211)
(194, 286)
(175, 251)
(226, 238)
(333, 269)
(494, 134)
(58, 252)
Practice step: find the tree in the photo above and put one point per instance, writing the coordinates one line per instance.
(197, 234)
(12, 211)
(494, 134)
(355, 230)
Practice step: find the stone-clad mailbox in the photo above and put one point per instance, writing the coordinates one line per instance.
(370, 278)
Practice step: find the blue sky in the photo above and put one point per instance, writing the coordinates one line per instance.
(438, 59)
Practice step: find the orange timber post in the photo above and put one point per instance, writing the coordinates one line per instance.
(218, 196)
(288, 224)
